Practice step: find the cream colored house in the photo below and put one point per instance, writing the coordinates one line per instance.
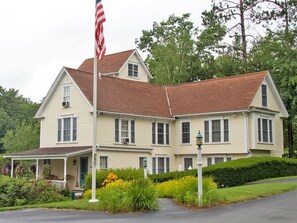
(239, 116)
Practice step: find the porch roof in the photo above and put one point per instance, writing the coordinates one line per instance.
(50, 152)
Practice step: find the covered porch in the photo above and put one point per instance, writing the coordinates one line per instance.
(68, 165)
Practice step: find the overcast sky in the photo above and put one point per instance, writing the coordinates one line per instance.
(38, 38)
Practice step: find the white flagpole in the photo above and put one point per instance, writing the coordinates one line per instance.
(94, 128)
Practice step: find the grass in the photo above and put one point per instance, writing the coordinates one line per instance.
(272, 179)
(230, 195)
(82, 204)
(249, 192)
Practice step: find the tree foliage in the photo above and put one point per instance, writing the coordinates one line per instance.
(14, 109)
(170, 47)
(25, 137)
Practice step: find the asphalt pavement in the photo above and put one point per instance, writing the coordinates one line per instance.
(275, 209)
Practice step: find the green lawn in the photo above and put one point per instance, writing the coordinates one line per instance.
(248, 192)
(230, 195)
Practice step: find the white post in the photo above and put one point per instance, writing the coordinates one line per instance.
(37, 169)
(145, 167)
(65, 171)
(199, 164)
(94, 128)
(11, 168)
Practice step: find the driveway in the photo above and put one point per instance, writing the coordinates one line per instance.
(281, 208)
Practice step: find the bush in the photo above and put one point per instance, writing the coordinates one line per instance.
(240, 171)
(4, 166)
(22, 191)
(125, 174)
(184, 190)
(142, 196)
(122, 196)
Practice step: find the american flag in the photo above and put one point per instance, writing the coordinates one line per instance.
(100, 19)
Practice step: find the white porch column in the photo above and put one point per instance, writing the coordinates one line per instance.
(11, 168)
(65, 171)
(37, 169)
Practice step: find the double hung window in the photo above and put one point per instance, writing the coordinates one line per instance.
(160, 133)
(124, 131)
(216, 131)
(67, 129)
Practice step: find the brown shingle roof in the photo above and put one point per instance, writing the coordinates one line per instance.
(215, 95)
(51, 151)
(132, 97)
(112, 63)
(123, 96)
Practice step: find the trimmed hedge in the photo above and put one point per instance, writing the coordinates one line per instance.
(240, 171)
(125, 174)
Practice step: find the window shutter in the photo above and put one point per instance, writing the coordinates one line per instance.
(116, 132)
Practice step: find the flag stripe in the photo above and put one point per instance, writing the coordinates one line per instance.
(99, 20)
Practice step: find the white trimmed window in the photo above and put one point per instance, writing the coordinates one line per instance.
(124, 131)
(160, 133)
(103, 163)
(264, 95)
(140, 164)
(265, 133)
(217, 159)
(216, 131)
(188, 162)
(161, 165)
(132, 70)
(67, 129)
(66, 96)
(185, 132)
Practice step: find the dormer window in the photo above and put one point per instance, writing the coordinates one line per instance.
(264, 95)
(66, 96)
(132, 70)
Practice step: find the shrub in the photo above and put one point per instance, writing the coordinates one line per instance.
(22, 191)
(122, 196)
(240, 171)
(4, 166)
(112, 199)
(125, 174)
(40, 191)
(142, 196)
(46, 171)
(184, 190)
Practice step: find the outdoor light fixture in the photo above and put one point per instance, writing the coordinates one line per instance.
(74, 162)
(199, 142)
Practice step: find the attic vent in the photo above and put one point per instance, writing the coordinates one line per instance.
(65, 104)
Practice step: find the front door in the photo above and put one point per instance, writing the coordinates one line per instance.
(83, 169)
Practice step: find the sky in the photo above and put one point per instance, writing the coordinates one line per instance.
(38, 38)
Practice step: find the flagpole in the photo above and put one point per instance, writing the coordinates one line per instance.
(99, 52)
(94, 128)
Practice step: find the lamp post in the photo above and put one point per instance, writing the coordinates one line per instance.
(199, 143)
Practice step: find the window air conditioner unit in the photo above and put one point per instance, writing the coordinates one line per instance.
(65, 104)
(125, 140)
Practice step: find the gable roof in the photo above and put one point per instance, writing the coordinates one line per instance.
(215, 95)
(123, 96)
(119, 96)
(112, 63)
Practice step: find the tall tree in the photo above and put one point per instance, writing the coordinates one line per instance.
(16, 106)
(170, 46)
(25, 137)
(276, 54)
(278, 15)
(236, 16)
